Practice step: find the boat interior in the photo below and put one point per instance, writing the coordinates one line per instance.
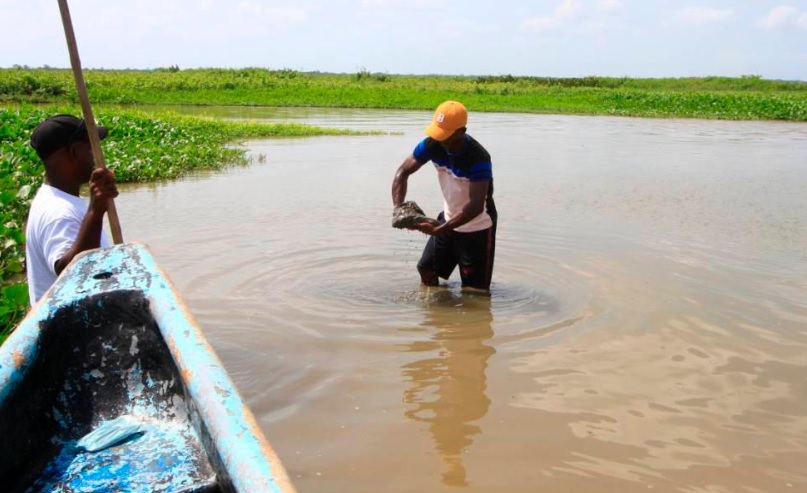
(97, 359)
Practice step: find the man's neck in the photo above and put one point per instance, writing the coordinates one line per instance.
(68, 188)
(458, 147)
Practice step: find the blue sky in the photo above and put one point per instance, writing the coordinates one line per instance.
(557, 38)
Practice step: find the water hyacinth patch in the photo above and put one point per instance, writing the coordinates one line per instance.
(20, 174)
(737, 98)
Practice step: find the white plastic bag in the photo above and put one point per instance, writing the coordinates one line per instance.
(110, 433)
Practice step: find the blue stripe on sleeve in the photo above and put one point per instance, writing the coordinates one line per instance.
(481, 171)
(421, 153)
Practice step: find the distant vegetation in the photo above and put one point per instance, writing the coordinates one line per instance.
(140, 147)
(742, 98)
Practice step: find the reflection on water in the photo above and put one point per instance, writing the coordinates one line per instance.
(446, 389)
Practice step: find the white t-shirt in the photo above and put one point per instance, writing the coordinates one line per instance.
(53, 224)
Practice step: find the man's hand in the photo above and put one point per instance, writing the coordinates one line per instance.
(429, 227)
(102, 189)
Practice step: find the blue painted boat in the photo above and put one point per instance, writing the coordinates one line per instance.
(113, 339)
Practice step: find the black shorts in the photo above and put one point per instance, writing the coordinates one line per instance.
(473, 252)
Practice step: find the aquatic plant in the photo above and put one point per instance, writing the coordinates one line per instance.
(140, 147)
(747, 98)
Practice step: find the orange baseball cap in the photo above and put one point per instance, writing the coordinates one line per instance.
(448, 118)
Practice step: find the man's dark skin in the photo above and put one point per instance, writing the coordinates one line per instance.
(68, 169)
(479, 190)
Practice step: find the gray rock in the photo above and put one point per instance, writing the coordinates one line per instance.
(408, 215)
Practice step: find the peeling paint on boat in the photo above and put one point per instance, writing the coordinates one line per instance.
(133, 348)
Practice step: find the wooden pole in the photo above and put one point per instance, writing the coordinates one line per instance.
(92, 129)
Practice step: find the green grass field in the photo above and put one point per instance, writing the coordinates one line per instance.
(743, 98)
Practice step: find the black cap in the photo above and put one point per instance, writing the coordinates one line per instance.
(60, 131)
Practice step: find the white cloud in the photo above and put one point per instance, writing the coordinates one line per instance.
(778, 17)
(540, 23)
(597, 26)
(275, 14)
(609, 4)
(697, 16)
(416, 4)
(802, 21)
(568, 9)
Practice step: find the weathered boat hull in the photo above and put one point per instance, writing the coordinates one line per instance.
(112, 338)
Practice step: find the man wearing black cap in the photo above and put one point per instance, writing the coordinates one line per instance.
(60, 223)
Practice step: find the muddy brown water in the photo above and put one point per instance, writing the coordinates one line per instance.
(646, 330)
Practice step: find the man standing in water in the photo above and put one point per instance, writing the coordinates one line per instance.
(60, 223)
(465, 231)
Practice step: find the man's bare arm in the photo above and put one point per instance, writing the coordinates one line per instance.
(399, 183)
(479, 193)
(102, 189)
